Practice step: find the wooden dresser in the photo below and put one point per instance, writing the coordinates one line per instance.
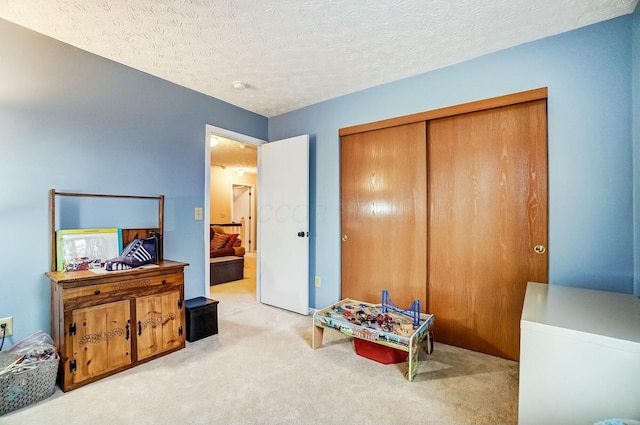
(103, 323)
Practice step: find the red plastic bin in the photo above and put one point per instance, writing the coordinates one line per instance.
(380, 353)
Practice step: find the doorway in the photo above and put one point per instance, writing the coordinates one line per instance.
(235, 173)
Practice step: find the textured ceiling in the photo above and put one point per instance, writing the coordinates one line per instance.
(293, 53)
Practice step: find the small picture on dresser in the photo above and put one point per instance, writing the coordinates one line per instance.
(84, 249)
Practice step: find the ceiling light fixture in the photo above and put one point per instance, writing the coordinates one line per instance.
(240, 172)
(214, 141)
(239, 85)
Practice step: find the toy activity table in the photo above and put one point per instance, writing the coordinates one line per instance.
(373, 323)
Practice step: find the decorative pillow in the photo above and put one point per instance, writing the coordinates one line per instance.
(211, 233)
(237, 243)
(232, 239)
(218, 241)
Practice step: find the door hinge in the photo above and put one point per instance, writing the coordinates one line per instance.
(72, 366)
(72, 329)
(179, 304)
(179, 330)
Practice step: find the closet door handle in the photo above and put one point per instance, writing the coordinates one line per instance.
(539, 249)
(344, 238)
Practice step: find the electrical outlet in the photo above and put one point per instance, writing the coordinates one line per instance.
(8, 330)
(317, 281)
(198, 213)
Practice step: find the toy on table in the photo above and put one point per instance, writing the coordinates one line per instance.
(413, 312)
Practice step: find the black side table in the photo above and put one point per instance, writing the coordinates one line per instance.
(202, 318)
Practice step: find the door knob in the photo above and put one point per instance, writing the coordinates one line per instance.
(539, 249)
(344, 238)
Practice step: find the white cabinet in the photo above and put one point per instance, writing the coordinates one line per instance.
(579, 356)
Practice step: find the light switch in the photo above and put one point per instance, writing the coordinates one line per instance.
(198, 214)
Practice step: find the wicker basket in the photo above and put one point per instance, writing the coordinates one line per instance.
(26, 384)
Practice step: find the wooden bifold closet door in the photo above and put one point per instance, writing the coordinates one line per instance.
(451, 210)
(384, 215)
(488, 212)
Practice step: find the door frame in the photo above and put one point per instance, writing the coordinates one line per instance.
(211, 130)
(251, 243)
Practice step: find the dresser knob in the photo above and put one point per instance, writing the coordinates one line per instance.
(97, 292)
(164, 281)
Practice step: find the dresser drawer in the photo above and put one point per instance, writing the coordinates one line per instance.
(122, 287)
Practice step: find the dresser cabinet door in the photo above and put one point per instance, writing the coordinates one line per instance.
(159, 323)
(101, 340)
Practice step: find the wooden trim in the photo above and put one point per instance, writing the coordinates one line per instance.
(52, 229)
(99, 195)
(161, 219)
(495, 102)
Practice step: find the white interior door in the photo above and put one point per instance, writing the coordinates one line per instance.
(283, 214)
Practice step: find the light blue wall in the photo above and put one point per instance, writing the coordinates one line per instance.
(588, 73)
(636, 145)
(72, 121)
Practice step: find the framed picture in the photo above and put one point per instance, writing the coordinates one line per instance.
(83, 249)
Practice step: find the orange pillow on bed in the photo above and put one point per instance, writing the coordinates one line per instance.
(218, 241)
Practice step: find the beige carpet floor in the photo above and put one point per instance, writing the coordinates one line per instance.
(260, 369)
